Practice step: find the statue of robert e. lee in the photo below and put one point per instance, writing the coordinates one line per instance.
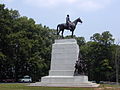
(68, 25)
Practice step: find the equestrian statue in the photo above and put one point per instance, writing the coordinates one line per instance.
(68, 25)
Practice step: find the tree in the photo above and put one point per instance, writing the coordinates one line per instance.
(25, 47)
(98, 53)
(117, 60)
(6, 20)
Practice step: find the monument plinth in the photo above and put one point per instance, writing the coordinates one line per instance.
(65, 53)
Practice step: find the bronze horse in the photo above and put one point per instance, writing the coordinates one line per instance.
(61, 27)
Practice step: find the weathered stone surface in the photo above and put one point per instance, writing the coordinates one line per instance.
(64, 55)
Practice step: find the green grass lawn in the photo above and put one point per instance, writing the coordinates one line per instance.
(24, 87)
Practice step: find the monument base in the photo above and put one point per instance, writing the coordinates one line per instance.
(65, 53)
(65, 81)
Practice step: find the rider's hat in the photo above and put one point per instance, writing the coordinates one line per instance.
(67, 15)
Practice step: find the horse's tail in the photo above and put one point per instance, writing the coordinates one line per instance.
(58, 29)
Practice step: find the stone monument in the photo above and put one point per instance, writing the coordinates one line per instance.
(65, 53)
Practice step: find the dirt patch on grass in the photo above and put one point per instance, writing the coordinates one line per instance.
(107, 88)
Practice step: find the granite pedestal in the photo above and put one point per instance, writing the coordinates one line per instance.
(65, 53)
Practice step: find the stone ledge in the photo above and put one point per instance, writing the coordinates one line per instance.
(65, 41)
(65, 81)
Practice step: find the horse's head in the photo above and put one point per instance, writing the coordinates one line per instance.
(76, 21)
(79, 20)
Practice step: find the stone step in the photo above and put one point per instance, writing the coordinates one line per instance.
(65, 84)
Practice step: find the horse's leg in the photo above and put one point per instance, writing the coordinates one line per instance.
(72, 33)
(58, 32)
(62, 33)
(58, 29)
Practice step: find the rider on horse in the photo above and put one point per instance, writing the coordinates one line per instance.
(68, 25)
(68, 22)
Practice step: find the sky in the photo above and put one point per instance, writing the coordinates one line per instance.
(97, 15)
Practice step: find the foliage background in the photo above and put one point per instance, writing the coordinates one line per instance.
(25, 49)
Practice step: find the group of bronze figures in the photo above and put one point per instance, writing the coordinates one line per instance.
(80, 67)
(68, 26)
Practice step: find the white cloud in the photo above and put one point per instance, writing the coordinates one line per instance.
(89, 5)
(85, 5)
(80, 4)
(6, 1)
(49, 3)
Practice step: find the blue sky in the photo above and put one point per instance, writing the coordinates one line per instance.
(97, 15)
